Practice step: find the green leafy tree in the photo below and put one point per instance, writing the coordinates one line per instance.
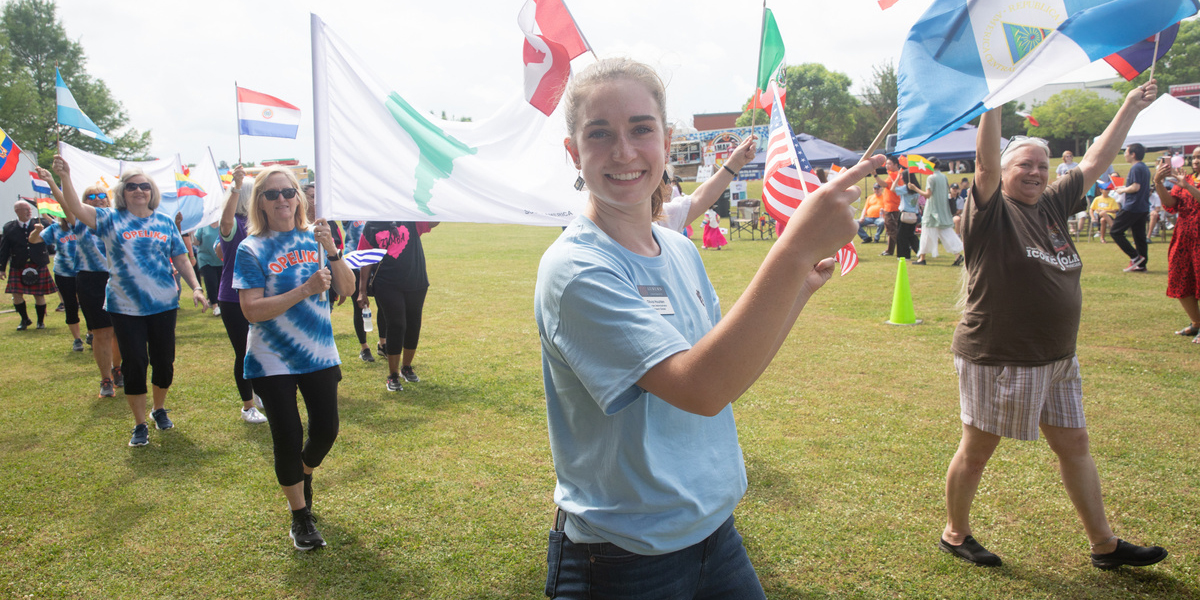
(818, 103)
(1072, 116)
(1181, 64)
(879, 101)
(34, 41)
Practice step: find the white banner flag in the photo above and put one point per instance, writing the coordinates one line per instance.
(380, 158)
(89, 169)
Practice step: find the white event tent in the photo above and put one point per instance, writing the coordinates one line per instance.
(1169, 121)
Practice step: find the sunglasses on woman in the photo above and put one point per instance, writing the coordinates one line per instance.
(274, 195)
(101, 196)
(144, 186)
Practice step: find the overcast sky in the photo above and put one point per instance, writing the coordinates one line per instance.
(173, 64)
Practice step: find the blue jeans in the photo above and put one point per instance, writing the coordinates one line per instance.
(862, 227)
(716, 568)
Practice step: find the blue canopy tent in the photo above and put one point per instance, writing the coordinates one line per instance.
(820, 153)
(956, 145)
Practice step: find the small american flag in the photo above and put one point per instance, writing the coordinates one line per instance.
(785, 185)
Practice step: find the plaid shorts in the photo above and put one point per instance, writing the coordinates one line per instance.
(1012, 401)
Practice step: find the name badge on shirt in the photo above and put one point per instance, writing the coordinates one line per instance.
(656, 295)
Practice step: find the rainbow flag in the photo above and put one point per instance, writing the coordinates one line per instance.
(9, 153)
(48, 206)
(186, 186)
(919, 164)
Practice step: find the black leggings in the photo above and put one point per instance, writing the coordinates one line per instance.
(278, 393)
(90, 288)
(906, 236)
(146, 341)
(237, 327)
(400, 313)
(210, 275)
(67, 288)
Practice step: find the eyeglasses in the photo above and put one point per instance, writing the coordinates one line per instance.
(273, 195)
(101, 196)
(1012, 141)
(144, 186)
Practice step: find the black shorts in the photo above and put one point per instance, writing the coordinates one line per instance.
(91, 286)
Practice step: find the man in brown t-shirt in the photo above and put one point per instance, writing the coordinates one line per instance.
(1015, 345)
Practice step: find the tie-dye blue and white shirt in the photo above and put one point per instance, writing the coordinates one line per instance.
(139, 249)
(63, 240)
(301, 339)
(89, 250)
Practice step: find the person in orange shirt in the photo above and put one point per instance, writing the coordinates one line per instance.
(891, 203)
(872, 214)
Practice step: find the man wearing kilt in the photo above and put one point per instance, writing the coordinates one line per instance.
(24, 276)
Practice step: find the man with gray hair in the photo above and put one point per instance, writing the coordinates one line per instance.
(25, 276)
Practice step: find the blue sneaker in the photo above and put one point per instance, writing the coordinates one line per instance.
(141, 436)
(160, 419)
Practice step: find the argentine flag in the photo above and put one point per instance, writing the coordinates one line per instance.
(69, 113)
(965, 57)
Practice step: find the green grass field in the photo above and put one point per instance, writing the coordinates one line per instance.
(445, 490)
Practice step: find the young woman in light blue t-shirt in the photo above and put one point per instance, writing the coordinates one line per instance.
(282, 292)
(639, 366)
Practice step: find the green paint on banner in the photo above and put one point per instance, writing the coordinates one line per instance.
(438, 150)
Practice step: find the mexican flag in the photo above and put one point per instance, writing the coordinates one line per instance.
(381, 157)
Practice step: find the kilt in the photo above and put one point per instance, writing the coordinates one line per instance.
(44, 286)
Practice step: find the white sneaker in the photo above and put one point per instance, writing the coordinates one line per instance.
(257, 401)
(251, 415)
(216, 311)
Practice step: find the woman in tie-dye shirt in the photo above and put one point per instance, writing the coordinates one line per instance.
(141, 299)
(282, 289)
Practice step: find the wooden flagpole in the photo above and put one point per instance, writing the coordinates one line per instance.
(1154, 57)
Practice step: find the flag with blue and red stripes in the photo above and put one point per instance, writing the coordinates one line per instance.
(1131, 61)
(39, 185)
(789, 178)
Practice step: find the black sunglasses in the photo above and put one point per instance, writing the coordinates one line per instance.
(274, 195)
(144, 186)
(101, 195)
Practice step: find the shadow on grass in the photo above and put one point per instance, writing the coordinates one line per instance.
(347, 568)
(1126, 582)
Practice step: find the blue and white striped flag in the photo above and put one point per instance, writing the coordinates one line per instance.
(965, 57)
(359, 258)
(69, 113)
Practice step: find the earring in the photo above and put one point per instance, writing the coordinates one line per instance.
(579, 183)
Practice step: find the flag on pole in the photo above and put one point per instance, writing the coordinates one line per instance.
(789, 178)
(39, 185)
(186, 186)
(69, 113)
(919, 164)
(266, 116)
(383, 158)
(770, 53)
(10, 154)
(1131, 61)
(361, 258)
(765, 99)
(962, 59)
(49, 206)
(552, 39)
(1028, 117)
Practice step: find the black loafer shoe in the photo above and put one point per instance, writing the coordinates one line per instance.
(972, 552)
(1128, 554)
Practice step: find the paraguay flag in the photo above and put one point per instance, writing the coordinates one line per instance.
(186, 186)
(9, 155)
(39, 185)
(962, 59)
(268, 116)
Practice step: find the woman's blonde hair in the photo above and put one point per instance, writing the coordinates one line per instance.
(613, 69)
(257, 219)
(118, 191)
